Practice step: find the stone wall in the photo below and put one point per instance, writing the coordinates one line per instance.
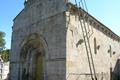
(47, 19)
(61, 35)
(105, 50)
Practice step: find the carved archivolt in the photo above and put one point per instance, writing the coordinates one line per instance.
(32, 47)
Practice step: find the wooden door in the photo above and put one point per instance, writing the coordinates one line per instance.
(39, 68)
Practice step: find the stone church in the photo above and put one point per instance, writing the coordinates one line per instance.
(56, 40)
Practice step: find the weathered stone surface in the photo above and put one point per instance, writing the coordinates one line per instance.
(77, 59)
(48, 28)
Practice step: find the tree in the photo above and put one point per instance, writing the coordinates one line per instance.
(2, 41)
(5, 55)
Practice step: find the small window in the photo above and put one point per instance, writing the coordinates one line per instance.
(95, 46)
(109, 51)
(114, 52)
(98, 47)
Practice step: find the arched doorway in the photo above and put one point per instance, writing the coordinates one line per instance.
(32, 59)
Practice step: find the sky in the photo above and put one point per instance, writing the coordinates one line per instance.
(8, 10)
(106, 11)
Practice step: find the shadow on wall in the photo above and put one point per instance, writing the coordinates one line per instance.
(116, 71)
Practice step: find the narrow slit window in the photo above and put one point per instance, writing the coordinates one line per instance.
(95, 46)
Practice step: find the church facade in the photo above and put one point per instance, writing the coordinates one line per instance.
(55, 40)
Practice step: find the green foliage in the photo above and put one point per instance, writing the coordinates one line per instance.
(2, 41)
(5, 55)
